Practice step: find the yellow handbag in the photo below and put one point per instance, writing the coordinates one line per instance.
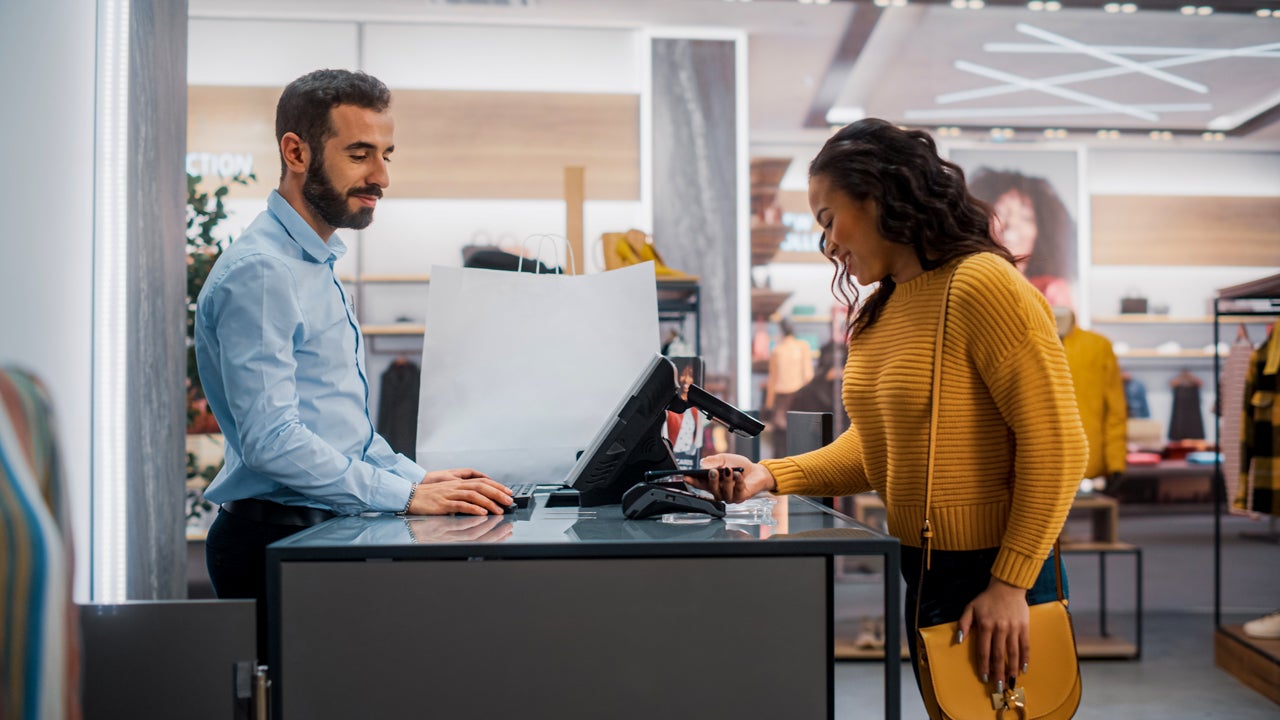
(949, 680)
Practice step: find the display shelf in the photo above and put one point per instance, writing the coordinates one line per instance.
(765, 302)
(765, 240)
(393, 329)
(1151, 354)
(1253, 661)
(386, 279)
(1170, 320)
(801, 257)
(1104, 645)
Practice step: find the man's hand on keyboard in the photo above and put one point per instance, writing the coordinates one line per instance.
(461, 492)
(487, 529)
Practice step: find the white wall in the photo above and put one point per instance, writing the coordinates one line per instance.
(46, 197)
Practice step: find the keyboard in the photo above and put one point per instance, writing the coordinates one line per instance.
(522, 493)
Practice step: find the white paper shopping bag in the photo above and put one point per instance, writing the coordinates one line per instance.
(520, 370)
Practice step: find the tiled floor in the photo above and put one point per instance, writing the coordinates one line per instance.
(1176, 677)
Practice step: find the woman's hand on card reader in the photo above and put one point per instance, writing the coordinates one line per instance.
(730, 485)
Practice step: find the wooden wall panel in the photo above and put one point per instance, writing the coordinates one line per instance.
(1177, 230)
(455, 144)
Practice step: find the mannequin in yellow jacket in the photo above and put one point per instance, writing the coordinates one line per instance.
(1099, 396)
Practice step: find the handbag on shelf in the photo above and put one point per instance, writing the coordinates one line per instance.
(949, 680)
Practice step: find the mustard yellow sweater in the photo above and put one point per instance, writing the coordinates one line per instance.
(1010, 448)
(1100, 398)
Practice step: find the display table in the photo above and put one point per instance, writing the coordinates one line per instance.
(568, 613)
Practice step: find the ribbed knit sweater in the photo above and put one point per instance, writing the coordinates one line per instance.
(1010, 447)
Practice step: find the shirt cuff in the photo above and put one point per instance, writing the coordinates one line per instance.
(408, 469)
(391, 493)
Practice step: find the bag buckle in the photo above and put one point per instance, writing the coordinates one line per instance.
(1010, 699)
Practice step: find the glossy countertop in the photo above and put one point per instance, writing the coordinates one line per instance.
(765, 525)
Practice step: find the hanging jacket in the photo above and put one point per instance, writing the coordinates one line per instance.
(1100, 397)
(1261, 426)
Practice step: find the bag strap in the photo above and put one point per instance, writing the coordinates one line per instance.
(926, 529)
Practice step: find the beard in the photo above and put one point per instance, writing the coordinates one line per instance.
(332, 205)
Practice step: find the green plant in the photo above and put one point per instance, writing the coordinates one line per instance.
(204, 211)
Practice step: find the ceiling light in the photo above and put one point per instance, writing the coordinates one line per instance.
(1210, 136)
(1204, 10)
(824, 2)
(1112, 7)
(1053, 6)
(976, 4)
(1108, 134)
(1055, 133)
(881, 3)
(898, 3)
(1035, 5)
(1263, 12)
(1187, 10)
(959, 4)
(1160, 135)
(1128, 8)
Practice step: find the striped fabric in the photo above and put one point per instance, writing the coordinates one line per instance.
(39, 656)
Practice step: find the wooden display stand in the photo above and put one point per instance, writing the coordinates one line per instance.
(1253, 661)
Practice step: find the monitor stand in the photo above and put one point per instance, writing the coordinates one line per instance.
(653, 453)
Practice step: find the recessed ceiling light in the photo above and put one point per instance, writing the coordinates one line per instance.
(1204, 10)
(1035, 5)
(1112, 7)
(1263, 12)
(1053, 6)
(959, 4)
(1187, 10)
(1128, 8)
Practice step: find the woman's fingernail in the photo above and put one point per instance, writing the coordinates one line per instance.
(1024, 668)
(999, 686)
(959, 636)
(984, 677)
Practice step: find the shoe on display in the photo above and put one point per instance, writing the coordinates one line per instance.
(643, 248)
(1265, 628)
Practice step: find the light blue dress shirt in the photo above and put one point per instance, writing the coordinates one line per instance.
(281, 358)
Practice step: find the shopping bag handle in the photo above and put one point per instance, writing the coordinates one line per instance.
(573, 268)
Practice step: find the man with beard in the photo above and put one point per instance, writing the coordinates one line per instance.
(281, 356)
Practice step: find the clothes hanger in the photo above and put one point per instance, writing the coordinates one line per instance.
(1242, 333)
(1185, 379)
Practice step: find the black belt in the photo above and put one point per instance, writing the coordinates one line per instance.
(265, 511)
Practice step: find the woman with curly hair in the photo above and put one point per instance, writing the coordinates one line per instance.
(1010, 449)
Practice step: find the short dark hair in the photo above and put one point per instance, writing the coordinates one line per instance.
(921, 201)
(305, 104)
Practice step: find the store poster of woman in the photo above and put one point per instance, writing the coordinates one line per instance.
(1036, 198)
(684, 430)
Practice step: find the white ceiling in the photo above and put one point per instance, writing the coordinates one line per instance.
(805, 57)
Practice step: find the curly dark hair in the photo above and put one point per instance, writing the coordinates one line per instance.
(1054, 226)
(304, 105)
(921, 201)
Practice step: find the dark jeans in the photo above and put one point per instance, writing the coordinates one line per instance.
(954, 579)
(235, 553)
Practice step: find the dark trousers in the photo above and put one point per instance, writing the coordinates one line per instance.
(235, 553)
(954, 579)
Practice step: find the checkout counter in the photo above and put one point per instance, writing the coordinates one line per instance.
(568, 612)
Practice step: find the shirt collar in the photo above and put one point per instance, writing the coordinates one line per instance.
(302, 233)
